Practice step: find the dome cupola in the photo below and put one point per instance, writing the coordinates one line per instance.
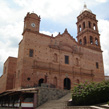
(85, 9)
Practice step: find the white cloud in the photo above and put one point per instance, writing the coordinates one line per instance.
(10, 36)
(101, 1)
(49, 33)
(104, 31)
(62, 11)
(5, 52)
(11, 32)
(22, 2)
(9, 15)
(50, 9)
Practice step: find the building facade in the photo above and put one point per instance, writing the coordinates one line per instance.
(59, 61)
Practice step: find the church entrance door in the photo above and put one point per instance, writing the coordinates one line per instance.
(41, 81)
(67, 84)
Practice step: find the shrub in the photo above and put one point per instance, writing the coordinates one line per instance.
(90, 93)
(108, 102)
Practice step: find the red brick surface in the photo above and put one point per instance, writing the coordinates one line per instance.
(49, 57)
(7, 79)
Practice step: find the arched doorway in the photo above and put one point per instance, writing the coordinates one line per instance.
(67, 84)
(41, 81)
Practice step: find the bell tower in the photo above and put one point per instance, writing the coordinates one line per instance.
(32, 22)
(87, 29)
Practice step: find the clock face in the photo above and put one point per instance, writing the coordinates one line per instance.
(33, 24)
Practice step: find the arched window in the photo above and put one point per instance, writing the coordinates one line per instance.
(66, 59)
(55, 57)
(31, 53)
(97, 65)
(80, 41)
(83, 25)
(96, 41)
(41, 81)
(94, 26)
(77, 81)
(89, 24)
(34, 63)
(91, 40)
(55, 81)
(79, 28)
(85, 41)
(67, 84)
(18, 73)
(28, 78)
(77, 61)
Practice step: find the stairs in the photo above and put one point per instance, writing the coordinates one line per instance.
(56, 104)
(62, 104)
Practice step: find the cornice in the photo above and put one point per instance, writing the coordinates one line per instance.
(87, 30)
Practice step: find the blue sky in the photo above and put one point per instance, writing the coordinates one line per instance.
(56, 15)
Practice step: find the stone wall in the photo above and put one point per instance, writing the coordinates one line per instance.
(45, 94)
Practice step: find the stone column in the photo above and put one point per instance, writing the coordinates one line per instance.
(35, 101)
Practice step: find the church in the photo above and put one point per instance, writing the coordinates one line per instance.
(61, 61)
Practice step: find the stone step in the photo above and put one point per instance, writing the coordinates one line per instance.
(62, 104)
(56, 104)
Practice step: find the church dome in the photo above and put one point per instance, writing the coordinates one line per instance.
(33, 15)
(85, 9)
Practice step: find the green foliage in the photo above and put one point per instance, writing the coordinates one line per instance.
(108, 102)
(90, 93)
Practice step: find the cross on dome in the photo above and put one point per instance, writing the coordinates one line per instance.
(85, 6)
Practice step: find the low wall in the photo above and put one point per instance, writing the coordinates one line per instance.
(45, 94)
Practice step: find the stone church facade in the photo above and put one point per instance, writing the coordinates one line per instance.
(59, 61)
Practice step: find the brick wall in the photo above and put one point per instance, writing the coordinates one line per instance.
(6, 80)
(45, 47)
